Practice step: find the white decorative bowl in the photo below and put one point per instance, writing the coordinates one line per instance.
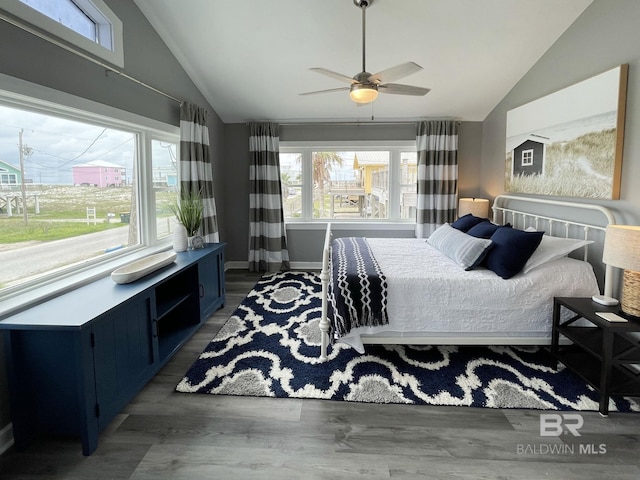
(139, 268)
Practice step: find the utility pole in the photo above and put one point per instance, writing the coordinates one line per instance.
(23, 186)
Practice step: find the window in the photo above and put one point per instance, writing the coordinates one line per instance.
(86, 24)
(88, 188)
(527, 158)
(8, 179)
(164, 161)
(365, 183)
(68, 14)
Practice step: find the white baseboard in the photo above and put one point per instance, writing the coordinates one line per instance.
(294, 265)
(236, 265)
(6, 438)
(306, 266)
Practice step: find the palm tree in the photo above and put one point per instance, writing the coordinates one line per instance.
(285, 180)
(322, 165)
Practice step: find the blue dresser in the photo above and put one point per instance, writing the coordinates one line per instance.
(76, 360)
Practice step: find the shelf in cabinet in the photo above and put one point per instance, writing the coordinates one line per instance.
(173, 340)
(167, 306)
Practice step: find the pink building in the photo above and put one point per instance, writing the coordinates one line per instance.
(100, 174)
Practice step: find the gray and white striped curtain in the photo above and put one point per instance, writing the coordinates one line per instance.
(437, 146)
(267, 234)
(196, 173)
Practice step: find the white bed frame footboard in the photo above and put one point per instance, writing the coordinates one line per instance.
(502, 214)
(324, 325)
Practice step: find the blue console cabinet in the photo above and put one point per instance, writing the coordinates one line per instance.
(76, 360)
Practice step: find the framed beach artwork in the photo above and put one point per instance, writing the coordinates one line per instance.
(569, 143)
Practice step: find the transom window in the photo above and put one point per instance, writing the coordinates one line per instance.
(67, 13)
(363, 183)
(88, 25)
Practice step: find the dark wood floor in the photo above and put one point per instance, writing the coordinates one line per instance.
(166, 435)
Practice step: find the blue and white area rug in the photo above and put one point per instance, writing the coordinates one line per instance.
(270, 346)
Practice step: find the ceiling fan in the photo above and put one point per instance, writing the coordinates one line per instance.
(365, 86)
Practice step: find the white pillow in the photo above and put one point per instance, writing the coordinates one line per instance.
(552, 248)
(465, 250)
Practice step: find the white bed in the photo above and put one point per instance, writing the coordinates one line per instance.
(431, 300)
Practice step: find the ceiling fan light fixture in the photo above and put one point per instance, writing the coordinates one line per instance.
(366, 86)
(363, 93)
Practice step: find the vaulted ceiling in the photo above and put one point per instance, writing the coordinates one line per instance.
(251, 58)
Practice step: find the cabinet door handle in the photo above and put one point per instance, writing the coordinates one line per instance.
(154, 328)
(201, 291)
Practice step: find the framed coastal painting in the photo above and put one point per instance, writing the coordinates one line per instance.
(569, 143)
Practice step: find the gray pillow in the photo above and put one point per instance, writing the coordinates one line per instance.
(465, 250)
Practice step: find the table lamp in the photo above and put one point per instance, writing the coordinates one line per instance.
(622, 250)
(478, 207)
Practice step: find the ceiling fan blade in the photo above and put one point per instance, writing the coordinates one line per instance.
(398, 89)
(332, 74)
(339, 89)
(395, 73)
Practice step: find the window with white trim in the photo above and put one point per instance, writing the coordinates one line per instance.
(89, 25)
(68, 14)
(89, 188)
(8, 179)
(527, 158)
(164, 161)
(358, 182)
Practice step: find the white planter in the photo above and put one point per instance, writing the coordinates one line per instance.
(180, 238)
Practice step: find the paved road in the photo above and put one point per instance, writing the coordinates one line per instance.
(34, 258)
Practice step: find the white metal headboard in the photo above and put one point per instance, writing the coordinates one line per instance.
(502, 214)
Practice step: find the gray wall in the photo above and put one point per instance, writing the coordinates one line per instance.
(306, 245)
(604, 36)
(147, 58)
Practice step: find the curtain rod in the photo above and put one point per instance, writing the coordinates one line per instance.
(356, 124)
(349, 123)
(107, 67)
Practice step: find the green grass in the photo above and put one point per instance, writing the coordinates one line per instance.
(15, 231)
(63, 212)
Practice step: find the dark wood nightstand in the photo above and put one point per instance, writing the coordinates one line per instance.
(605, 354)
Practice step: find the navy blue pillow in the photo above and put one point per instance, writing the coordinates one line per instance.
(511, 250)
(484, 229)
(467, 221)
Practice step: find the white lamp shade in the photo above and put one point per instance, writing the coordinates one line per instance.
(622, 247)
(478, 207)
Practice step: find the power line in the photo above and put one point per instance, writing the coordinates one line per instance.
(86, 149)
(114, 148)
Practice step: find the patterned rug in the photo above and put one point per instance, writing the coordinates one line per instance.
(270, 346)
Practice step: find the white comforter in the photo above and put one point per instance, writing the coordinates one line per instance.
(431, 296)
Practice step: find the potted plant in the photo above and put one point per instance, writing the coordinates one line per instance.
(188, 211)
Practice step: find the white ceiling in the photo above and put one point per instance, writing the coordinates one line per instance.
(251, 58)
